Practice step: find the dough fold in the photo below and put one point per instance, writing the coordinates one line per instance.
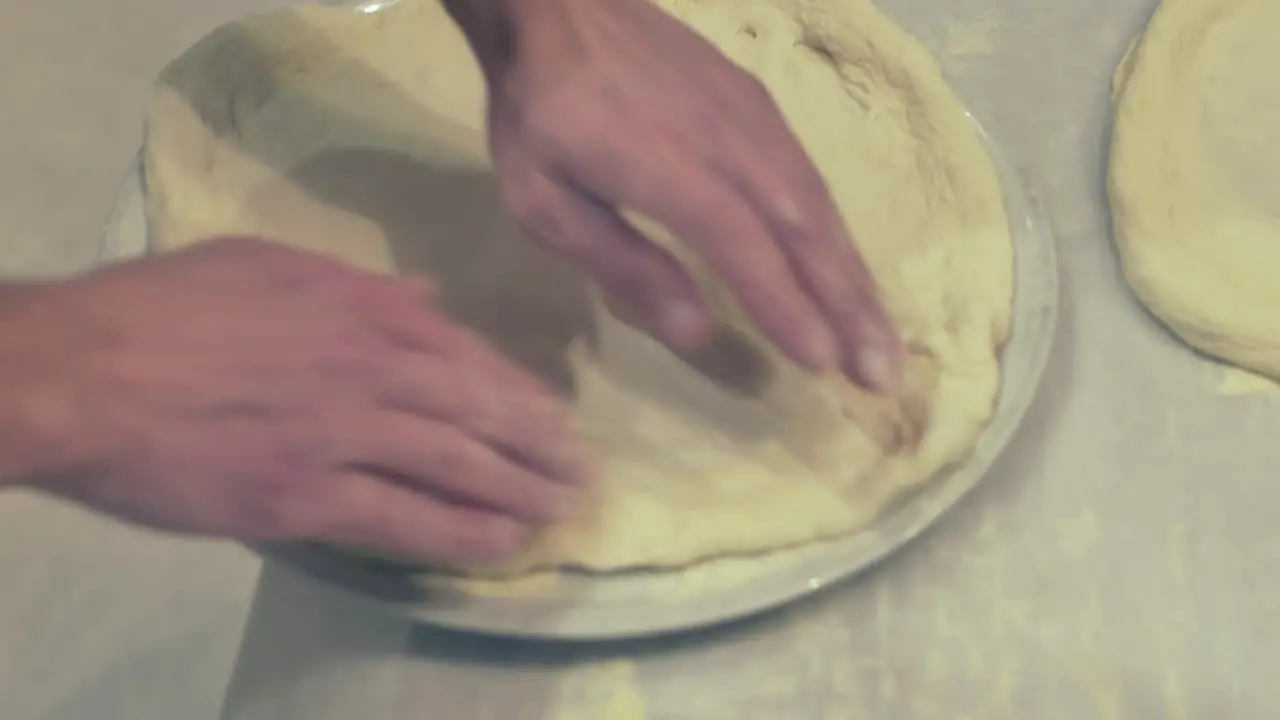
(360, 135)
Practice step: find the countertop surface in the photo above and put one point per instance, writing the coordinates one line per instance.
(1116, 564)
(97, 621)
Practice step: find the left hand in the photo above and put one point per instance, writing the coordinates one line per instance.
(245, 389)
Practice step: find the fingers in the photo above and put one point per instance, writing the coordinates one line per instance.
(415, 326)
(793, 200)
(463, 423)
(712, 217)
(531, 429)
(641, 276)
(367, 512)
(446, 462)
(752, 204)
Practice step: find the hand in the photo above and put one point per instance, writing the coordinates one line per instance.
(241, 388)
(597, 106)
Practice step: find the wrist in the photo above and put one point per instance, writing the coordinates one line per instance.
(34, 411)
(487, 25)
(492, 26)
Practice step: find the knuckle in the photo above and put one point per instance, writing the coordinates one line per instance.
(370, 523)
(462, 538)
(591, 103)
(454, 543)
(347, 357)
(468, 399)
(438, 389)
(281, 499)
(798, 203)
(272, 509)
(454, 454)
(789, 216)
(593, 140)
(535, 206)
(402, 529)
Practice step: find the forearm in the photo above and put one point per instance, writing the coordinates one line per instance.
(30, 445)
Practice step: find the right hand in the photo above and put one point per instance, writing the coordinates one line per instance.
(240, 388)
(599, 107)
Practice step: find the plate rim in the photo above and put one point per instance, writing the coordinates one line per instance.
(438, 601)
(455, 608)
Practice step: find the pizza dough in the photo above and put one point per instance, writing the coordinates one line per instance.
(1195, 176)
(360, 135)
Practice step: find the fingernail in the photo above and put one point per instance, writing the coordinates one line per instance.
(680, 323)
(878, 369)
(817, 349)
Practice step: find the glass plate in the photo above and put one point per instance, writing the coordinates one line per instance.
(631, 604)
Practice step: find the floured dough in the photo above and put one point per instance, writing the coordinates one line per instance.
(361, 136)
(1195, 175)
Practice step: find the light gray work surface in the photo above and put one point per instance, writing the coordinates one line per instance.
(97, 621)
(1115, 565)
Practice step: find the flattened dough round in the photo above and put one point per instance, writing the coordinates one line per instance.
(361, 136)
(1195, 176)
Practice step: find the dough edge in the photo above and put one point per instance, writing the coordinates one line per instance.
(936, 91)
(1148, 93)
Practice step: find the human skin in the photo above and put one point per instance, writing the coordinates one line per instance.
(243, 389)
